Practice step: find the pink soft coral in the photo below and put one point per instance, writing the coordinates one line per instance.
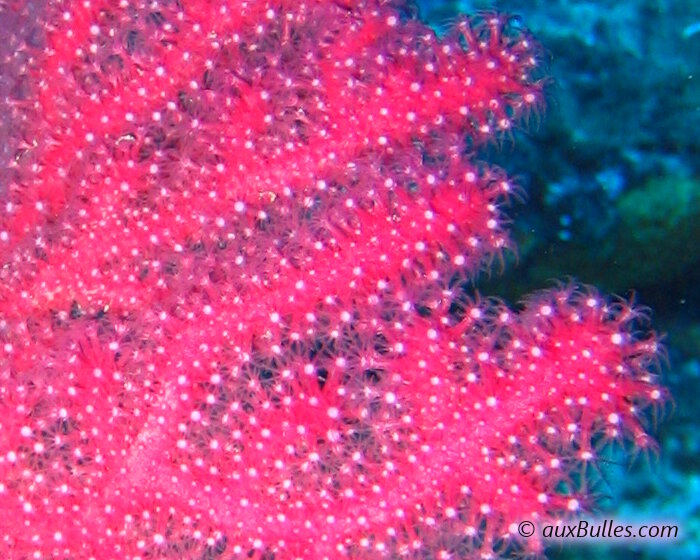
(232, 239)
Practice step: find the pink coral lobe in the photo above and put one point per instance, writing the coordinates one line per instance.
(233, 237)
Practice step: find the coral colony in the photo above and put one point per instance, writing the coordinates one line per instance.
(234, 241)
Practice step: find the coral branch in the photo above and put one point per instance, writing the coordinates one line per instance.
(233, 243)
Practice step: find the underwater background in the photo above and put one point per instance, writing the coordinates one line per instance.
(612, 177)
